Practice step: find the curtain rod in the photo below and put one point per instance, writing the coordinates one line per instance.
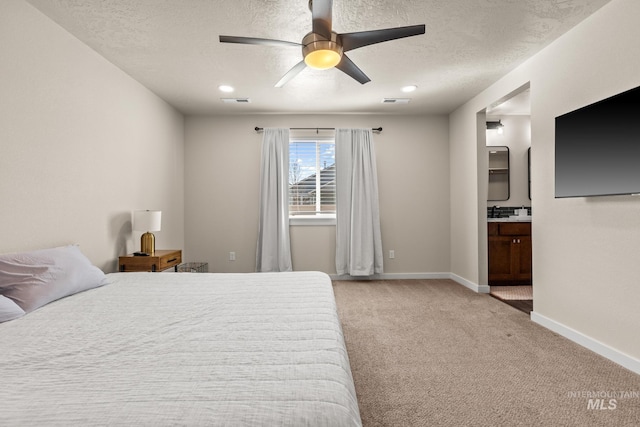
(259, 129)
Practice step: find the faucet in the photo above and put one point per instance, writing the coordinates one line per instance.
(493, 211)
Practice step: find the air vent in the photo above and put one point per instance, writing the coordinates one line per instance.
(396, 100)
(236, 100)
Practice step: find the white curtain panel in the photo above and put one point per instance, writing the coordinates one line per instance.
(358, 238)
(274, 250)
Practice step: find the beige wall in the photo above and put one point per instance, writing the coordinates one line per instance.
(468, 189)
(81, 145)
(222, 162)
(585, 250)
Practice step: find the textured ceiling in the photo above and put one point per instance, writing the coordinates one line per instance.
(172, 47)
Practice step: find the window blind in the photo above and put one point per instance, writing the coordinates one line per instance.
(312, 177)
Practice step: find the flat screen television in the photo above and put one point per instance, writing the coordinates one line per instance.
(598, 148)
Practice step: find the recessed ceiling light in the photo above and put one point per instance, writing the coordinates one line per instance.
(225, 88)
(409, 88)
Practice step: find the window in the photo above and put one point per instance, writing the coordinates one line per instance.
(312, 178)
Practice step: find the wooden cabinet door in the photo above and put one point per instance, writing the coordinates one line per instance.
(509, 260)
(522, 265)
(500, 258)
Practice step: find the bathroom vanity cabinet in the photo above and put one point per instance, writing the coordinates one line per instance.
(509, 253)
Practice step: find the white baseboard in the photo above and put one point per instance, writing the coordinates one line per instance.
(481, 289)
(594, 345)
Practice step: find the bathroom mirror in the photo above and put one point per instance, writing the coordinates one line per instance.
(498, 189)
(529, 170)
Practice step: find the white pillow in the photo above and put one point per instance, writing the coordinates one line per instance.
(33, 279)
(9, 310)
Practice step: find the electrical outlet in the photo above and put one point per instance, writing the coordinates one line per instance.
(392, 254)
(232, 256)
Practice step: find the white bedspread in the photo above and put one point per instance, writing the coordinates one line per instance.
(159, 349)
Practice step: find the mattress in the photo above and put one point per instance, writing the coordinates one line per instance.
(158, 349)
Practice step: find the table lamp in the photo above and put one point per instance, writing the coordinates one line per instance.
(147, 221)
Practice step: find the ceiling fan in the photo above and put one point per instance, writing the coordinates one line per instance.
(323, 48)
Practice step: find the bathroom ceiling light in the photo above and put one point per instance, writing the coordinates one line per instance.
(495, 126)
(226, 88)
(410, 88)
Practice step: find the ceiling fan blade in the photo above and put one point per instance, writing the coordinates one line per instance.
(291, 73)
(348, 67)
(253, 40)
(352, 41)
(321, 15)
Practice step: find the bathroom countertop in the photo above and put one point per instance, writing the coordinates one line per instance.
(513, 218)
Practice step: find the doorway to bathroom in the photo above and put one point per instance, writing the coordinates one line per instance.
(509, 213)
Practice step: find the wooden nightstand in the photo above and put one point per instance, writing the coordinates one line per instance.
(160, 260)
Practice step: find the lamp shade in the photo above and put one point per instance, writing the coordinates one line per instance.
(147, 220)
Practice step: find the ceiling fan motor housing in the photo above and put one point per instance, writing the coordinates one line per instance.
(320, 53)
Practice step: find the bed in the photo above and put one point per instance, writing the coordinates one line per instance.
(181, 349)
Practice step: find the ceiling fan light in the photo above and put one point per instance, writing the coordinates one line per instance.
(320, 53)
(322, 59)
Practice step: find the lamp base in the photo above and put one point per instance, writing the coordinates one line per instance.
(148, 243)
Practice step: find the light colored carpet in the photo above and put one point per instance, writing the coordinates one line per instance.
(512, 293)
(433, 353)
